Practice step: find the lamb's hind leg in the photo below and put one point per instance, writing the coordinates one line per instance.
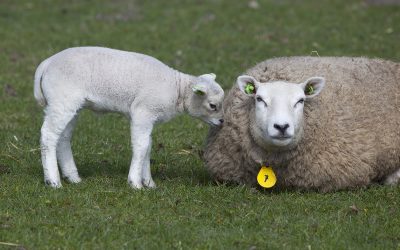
(64, 154)
(55, 122)
(393, 179)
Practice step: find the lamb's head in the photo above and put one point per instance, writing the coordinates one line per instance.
(205, 100)
(277, 120)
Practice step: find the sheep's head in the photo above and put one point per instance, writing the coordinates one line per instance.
(206, 100)
(277, 120)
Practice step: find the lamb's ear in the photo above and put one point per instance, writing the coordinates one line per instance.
(247, 84)
(199, 89)
(210, 76)
(313, 86)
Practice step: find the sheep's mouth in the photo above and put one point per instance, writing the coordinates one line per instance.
(281, 141)
(281, 137)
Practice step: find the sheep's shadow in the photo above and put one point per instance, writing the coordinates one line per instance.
(192, 176)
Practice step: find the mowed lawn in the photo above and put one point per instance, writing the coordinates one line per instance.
(187, 210)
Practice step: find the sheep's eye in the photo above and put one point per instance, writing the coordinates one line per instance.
(259, 99)
(300, 101)
(213, 106)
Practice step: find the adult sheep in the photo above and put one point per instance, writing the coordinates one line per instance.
(345, 138)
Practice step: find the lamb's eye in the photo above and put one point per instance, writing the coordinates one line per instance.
(300, 101)
(213, 106)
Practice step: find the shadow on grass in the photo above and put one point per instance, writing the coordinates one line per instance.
(102, 168)
(160, 171)
(190, 176)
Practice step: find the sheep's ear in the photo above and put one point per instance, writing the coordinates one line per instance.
(247, 84)
(199, 89)
(210, 76)
(313, 86)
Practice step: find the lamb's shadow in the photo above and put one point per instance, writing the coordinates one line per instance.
(161, 171)
(104, 167)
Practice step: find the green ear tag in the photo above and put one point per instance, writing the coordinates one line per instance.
(249, 89)
(199, 92)
(309, 89)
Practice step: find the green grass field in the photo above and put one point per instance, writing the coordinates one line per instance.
(187, 210)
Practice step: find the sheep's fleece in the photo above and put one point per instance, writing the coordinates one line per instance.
(351, 130)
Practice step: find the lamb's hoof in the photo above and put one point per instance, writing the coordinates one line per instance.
(149, 183)
(53, 184)
(73, 179)
(135, 184)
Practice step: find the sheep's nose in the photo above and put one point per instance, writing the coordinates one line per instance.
(281, 127)
(221, 121)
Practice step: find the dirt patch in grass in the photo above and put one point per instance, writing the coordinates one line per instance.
(4, 169)
(10, 90)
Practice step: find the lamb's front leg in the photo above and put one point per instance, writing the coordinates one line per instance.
(141, 128)
(147, 179)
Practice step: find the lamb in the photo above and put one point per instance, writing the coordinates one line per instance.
(136, 85)
(345, 135)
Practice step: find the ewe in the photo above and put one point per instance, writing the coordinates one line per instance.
(138, 86)
(347, 136)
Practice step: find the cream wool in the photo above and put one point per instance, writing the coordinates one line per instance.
(138, 86)
(351, 130)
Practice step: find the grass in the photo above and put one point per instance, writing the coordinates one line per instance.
(187, 210)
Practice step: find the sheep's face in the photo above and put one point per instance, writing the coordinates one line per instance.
(277, 122)
(206, 100)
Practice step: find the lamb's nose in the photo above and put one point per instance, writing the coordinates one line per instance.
(221, 121)
(282, 128)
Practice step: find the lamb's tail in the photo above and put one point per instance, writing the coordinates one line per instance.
(37, 89)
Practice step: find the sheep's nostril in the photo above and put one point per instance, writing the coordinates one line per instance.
(221, 121)
(281, 128)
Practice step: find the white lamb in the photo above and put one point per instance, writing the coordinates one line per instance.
(136, 85)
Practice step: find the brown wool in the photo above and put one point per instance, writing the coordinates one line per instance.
(351, 131)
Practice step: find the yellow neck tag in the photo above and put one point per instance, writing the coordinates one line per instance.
(266, 177)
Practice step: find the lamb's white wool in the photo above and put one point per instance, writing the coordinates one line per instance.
(278, 123)
(139, 86)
